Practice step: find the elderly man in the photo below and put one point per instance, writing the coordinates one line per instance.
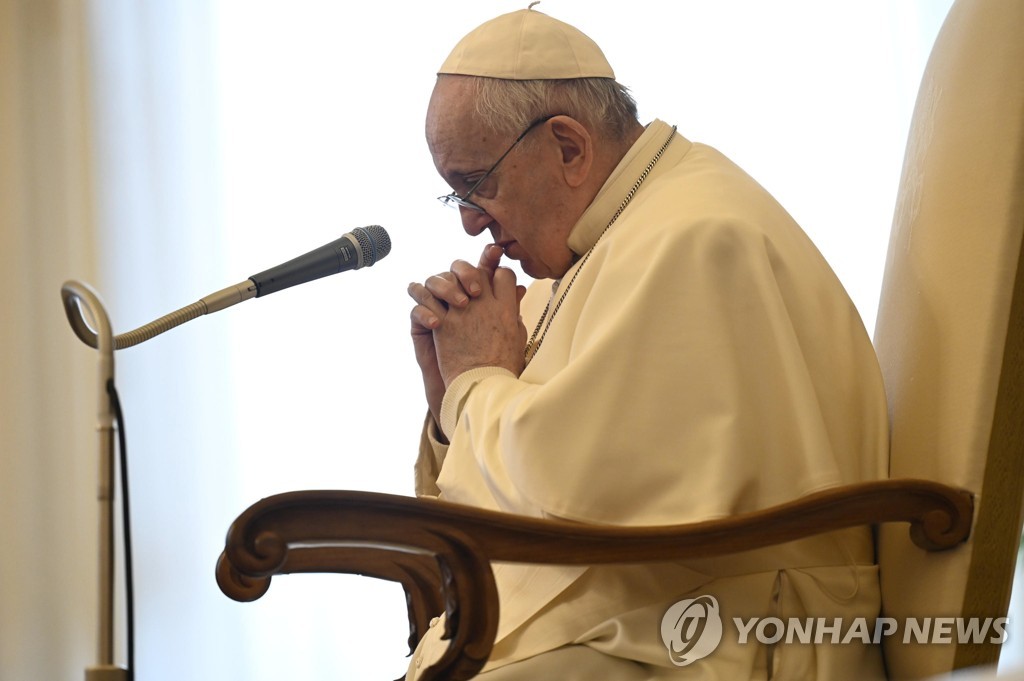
(685, 354)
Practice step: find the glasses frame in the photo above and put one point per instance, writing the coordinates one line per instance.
(453, 200)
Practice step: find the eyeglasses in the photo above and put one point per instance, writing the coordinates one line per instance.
(455, 201)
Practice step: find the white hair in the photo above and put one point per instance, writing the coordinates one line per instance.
(509, 106)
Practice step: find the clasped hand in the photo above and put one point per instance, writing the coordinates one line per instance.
(467, 318)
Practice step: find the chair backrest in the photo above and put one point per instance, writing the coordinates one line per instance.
(950, 330)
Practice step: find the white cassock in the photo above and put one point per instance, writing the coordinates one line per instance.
(703, 361)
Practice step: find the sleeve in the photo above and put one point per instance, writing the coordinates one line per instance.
(428, 463)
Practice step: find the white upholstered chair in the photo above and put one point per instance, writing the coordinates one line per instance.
(950, 330)
(950, 338)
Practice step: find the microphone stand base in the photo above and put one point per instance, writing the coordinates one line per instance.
(106, 673)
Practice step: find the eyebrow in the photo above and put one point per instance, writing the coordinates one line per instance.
(460, 178)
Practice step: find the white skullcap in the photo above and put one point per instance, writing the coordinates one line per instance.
(527, 45)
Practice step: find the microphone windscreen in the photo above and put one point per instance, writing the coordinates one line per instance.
(374, 243)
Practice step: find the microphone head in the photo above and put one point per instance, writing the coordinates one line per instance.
(374, 243)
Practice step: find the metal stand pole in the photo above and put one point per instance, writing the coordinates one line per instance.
(76, 296)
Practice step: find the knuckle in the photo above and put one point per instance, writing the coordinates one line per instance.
(443, 277)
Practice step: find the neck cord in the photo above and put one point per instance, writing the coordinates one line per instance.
(533, 345)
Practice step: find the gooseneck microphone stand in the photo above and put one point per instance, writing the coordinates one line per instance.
(82, 305)
(77, 295)
(359, 248)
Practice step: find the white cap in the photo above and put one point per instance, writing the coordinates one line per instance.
(527, 45)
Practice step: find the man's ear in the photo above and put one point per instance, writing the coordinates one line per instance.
(577, 149)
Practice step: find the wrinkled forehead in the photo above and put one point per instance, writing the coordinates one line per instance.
(451, 105)
(452, 123)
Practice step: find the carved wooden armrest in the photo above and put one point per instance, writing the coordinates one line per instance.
(441, 552)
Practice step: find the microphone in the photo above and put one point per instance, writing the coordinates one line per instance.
(362, 247)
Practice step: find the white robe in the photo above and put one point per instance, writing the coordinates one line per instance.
(706, 361)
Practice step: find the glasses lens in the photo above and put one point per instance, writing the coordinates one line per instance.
(453, 201)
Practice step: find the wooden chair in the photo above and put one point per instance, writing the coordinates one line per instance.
(950, 338)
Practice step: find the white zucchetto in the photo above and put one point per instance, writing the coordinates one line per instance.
(527, 45)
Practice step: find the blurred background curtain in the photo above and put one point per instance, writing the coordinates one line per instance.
(162, 150)
(47, 399)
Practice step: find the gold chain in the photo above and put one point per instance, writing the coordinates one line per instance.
(533, 345)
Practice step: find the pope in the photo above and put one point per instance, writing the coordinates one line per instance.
(684, 353)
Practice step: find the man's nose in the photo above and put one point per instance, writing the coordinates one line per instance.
(473, 221)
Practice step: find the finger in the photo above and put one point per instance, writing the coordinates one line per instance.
(424, 320)
(505, 285)
(429, 310)
(472, 279)
(447, 288)
(490, 258)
